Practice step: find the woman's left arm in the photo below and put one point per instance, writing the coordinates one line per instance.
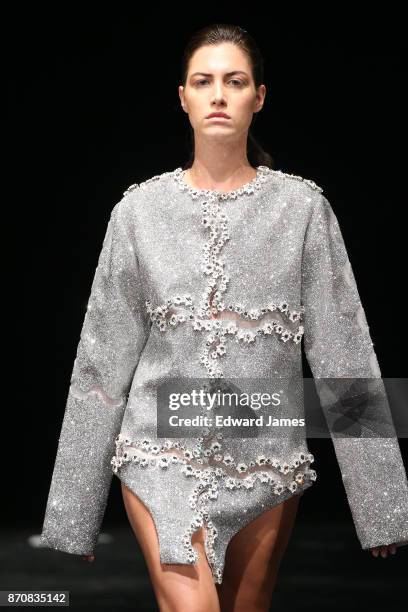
(340, 352)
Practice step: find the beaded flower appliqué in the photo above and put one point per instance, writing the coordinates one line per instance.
(213, 315)
(213, 468)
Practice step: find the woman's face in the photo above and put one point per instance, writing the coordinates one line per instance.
(210, 87)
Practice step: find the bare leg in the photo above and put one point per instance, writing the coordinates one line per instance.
(253, 557)
(178, 587)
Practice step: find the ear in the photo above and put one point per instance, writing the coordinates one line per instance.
(181, 96)
(260, 98)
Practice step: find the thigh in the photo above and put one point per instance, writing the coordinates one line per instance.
(177, 587)
(253, 557)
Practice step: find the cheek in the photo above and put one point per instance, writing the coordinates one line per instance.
(244, 113)
(195, 105)
(245, 104)
(249, 103)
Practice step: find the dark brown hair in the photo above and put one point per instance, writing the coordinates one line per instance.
(215, 34)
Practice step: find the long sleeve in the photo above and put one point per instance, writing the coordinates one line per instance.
(338, 345)
(112, 338)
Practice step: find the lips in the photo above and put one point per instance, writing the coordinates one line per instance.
(225, 116)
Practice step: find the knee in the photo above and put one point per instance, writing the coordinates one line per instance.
(185, 590)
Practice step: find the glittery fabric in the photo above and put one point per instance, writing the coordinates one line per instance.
(197, 283)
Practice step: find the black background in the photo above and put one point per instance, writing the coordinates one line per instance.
(94, 107)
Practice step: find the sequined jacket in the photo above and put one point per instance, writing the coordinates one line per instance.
(180, 272)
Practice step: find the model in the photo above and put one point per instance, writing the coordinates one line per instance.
(217, 271)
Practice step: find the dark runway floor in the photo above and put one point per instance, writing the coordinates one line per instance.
(324, 569)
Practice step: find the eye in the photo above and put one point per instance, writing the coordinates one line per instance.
(230, 81)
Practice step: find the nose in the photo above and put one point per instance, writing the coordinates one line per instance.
(218, 92)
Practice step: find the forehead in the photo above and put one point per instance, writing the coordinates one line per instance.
(219, 58)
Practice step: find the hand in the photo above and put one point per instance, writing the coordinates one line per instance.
(384, 550)
(89, 558)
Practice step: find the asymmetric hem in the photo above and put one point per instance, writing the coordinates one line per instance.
(175, 535)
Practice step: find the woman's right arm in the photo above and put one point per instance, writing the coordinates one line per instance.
(114, 332)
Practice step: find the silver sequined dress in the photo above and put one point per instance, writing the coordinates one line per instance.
(206, 284)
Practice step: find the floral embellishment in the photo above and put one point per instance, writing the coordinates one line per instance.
(286, 335)
(241, 467)
(285, 468)
(230, 483)
(249, 482)
(164, 461)
(286, 476)
(261, 460)
(228, 460)
(209, 314)
(131, 188)
(163, 456)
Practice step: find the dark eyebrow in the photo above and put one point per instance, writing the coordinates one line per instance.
(228, 73)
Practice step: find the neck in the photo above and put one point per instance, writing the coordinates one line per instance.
(219, 166)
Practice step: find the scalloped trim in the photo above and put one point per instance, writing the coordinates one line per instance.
(250, 187)
(145, 451)
(180, 309)
(281, 476)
